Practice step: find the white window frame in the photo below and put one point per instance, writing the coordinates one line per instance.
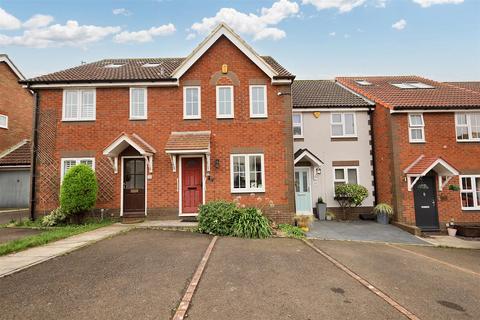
(468, 125)
(79, 99)
(145, 102)
(77, 161)
(6, 121)
(473, 191)
(247, 189)
(345, 175)
(188, 117)
(298, 125)
(265, 103)
(225, 116)
(412, 127)
(344, 135)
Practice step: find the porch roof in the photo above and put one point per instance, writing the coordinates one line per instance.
(423, 164)
(305, 153)
(188, 142)
(124, 140)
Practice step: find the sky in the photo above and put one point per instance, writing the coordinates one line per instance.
(313, 39)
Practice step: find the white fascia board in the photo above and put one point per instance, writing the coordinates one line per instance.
(173, 83)
(109, 149)
(294, 110)
(6, 59)
(413, 110)
(223, 30)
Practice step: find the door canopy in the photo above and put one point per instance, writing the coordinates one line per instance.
(125, 140)
(188, 142)
(423, 165)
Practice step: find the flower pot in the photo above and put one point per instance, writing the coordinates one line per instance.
(329, 218)
(452, 232)
(382, 218)
(321, 209)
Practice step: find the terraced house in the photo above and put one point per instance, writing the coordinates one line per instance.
(426, 138)
(167, 134)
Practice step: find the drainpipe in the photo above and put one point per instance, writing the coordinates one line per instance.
(33, 162)
(372, 140)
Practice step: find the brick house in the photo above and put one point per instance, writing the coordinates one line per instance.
(426, 138)
(16, 111)
(332, 144)
(165, 135)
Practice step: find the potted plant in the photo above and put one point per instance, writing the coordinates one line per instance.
(330, 216)
(321, 208)
(303, 222)
(383, 212)
(451, 228)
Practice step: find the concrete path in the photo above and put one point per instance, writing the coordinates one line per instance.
(453, 242)
(167, 224)
(361, 231)
(18, 261)
(9, 234)
(7, 215)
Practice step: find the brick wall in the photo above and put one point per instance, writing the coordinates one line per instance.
(16, 103)
(272, 136)
(440, 141)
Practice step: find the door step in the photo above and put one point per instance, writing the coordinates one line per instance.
(129, 218)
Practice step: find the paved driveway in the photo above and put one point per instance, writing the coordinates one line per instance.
(358, 230)
(8, 234)
(143, 274)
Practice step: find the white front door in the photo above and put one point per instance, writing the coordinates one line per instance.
(303, 195)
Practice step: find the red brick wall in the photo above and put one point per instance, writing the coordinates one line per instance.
(440, 141)
(16, 103)
(272, 136)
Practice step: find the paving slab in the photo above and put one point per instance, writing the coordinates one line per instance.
(279, 279)
(358, 230)
(9, 234)
(7, 215)
(140, 274)
(453, 242)
(429, 289)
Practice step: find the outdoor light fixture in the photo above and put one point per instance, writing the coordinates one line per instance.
(217, 163)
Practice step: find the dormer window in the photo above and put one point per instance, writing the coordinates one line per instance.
(113, 65)
(363, 82)
(412, 85)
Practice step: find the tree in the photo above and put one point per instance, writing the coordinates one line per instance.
(350, 196)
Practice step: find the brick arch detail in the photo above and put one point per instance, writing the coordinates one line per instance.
(229, 78)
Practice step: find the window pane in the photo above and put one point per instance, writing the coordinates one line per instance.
(475, 122)
(297, 130)
(338, 183)
(467, 199)
(461, 118)
(352, 176)
(477, 189)
(339, 174)
(138, 102)
(3, 121)
(239, 172)
(192, 101)
(71, 104)
(139, 181)
(417, 134)
(416, 120)
(466, 183)
(336, 118)
(67, 164)
(87, 162)
(297, 182)
(462, 133)
(296, 118)
(337, 130)
(349, 124)
(258, 100)
(305, 181)
(225, 101)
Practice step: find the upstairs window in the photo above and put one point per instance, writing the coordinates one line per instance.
(247, 173)
(138, 103)
(416, 128)
(467, 126)
(344, 175)
(343, 125)
(258, 101)
(3, 121)
(297, 120)
(224, 101)
(191, 103)
(470, 192)
(67, 163)
(79, 105)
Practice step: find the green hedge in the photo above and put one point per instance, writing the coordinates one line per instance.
(79, 190)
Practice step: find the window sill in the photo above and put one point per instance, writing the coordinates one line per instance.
(248, 191)
(418, 142)
(472, 210)
(78, 120)
(5, 128)
(298, 138)
(468, 141)
(259, 116)
(138, 119)
(192, 118)
(225, 118)
(344, 139)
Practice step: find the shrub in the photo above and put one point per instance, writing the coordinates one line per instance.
(350, 195)
(55, 217)
(383, 208)
(79, 190)
(291, 231)
(218, 218)
(251, 223)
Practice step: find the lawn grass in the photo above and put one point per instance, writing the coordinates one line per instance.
(49, 235)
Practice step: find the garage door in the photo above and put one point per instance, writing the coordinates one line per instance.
(14, 188)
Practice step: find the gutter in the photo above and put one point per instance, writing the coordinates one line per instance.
(33, 163)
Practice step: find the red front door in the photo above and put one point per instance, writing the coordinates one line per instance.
(192, 186)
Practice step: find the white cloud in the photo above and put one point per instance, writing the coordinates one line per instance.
(381, 3)
(428, 3)
(145, 35)
(69, 34)
(341, 5)
(259, 26)
(332, 34)
(7, 21)
(38, 21)
(400, 24)
(121, 11)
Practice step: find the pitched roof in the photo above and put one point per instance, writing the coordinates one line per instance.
(441, 96)
(325, 94)
(18, 155)
(4, 58)
(470, 85)
(423, 164)
(123, 140)
(188, 140)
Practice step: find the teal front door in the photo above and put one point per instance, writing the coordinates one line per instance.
(303, 196)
